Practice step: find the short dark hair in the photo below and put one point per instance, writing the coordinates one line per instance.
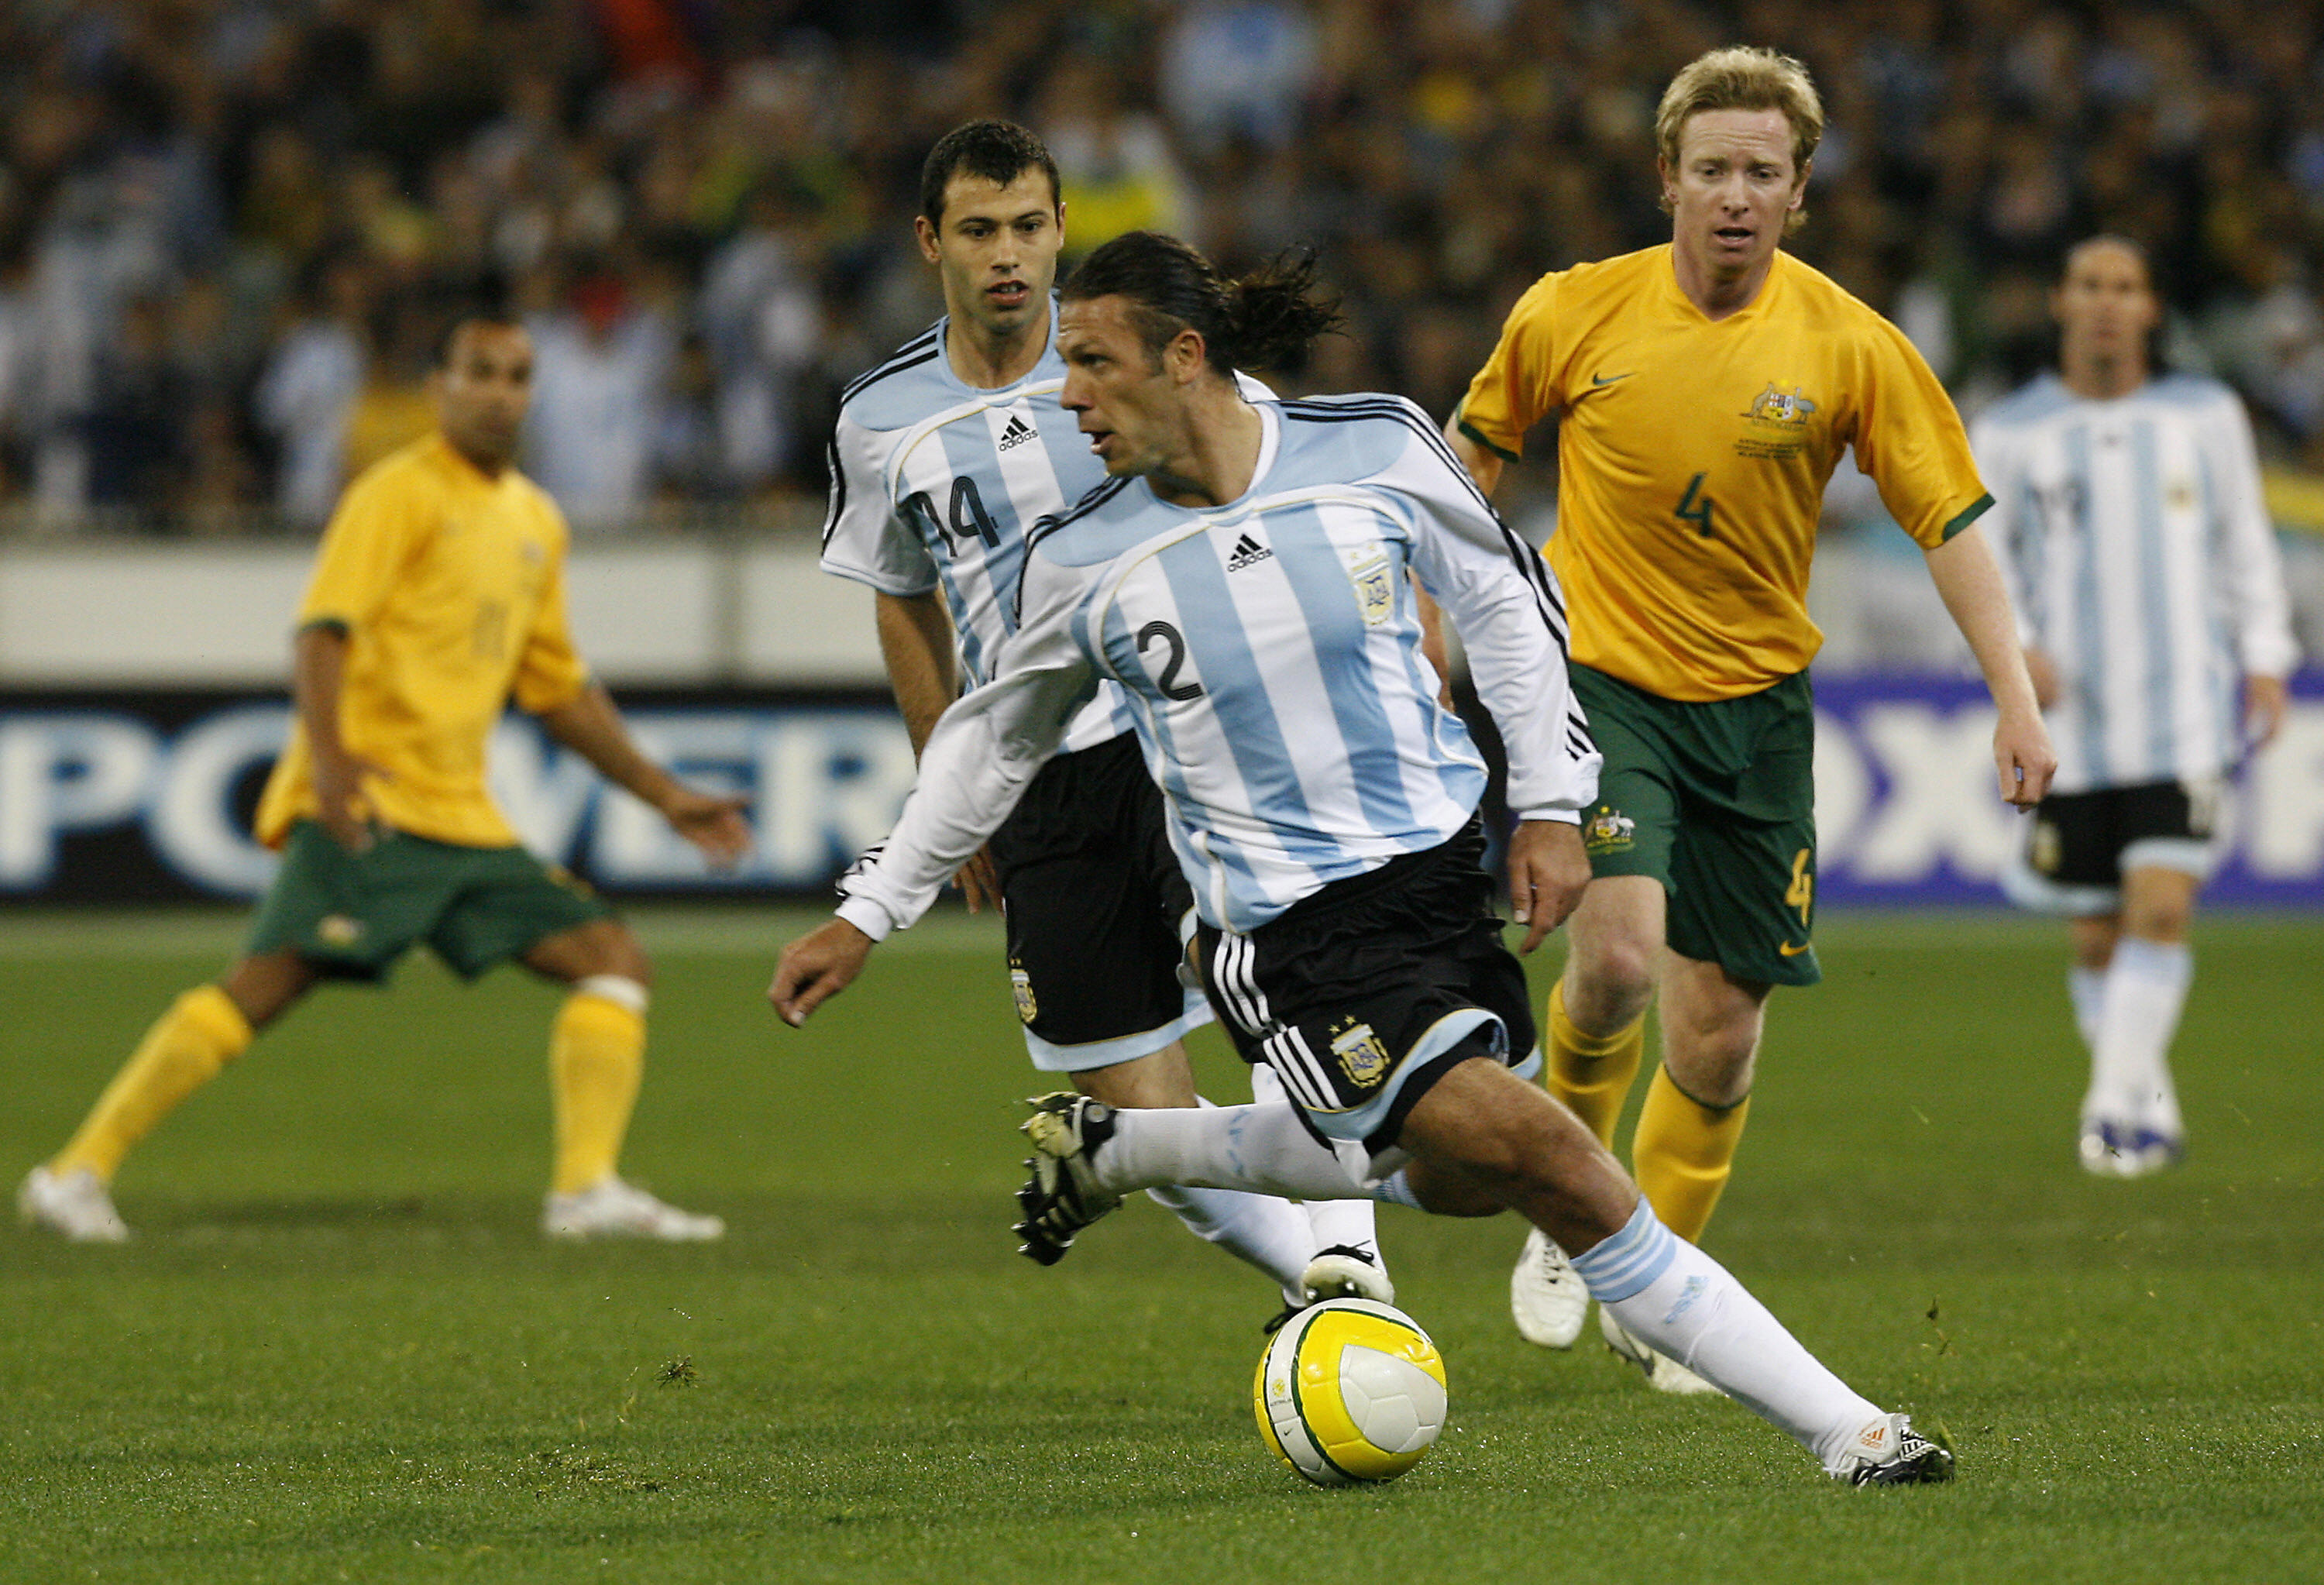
(998, 150)
(1265, 319)
(448, 330)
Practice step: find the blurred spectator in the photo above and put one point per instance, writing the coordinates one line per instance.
(601, 361)
(259, 206)
(308, 389)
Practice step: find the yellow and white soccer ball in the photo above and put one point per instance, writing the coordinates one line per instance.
(1349, 1391)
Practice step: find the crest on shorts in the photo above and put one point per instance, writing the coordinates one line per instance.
(338, 930)
(1027, 1008)
(2046, 848)
(1608, 831)
(1375, 582)
(1361, 1055)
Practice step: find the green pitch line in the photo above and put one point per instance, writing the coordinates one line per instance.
(339, 1348)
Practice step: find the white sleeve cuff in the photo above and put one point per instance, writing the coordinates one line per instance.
(868, 916)
(1563, 817)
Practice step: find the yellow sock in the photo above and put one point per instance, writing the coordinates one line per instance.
(596, 1054)
(1682, 1154)
(201, 1033)
(1590, 1073)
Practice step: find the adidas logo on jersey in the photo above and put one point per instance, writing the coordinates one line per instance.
(1016, 433)
(1248, 552)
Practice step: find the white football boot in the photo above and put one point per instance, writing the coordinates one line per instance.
(1890, 1453)
(612, 1208)
(1548, 1300)
(1663, 1374)
(1344, 1271)
(76, 1205)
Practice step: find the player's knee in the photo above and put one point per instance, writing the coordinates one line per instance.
(2162, 918)
(1609, 985)
(615, 954)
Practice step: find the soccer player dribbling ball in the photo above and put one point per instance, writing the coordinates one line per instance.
(1705, 390)
(943, 457)
(2150, 586)
(438, 595)
(1243, 576)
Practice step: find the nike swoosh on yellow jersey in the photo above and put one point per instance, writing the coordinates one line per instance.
(1608, 378)
(1789, 951)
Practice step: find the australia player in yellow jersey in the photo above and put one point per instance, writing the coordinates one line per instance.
(438, 595)
(1703, 391)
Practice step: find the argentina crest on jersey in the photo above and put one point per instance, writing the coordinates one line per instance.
(1374, 577)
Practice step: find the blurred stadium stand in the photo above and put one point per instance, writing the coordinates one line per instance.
(229, 228)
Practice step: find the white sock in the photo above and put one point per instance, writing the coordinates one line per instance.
(1333, 1223)
(1267, 1231)
(2130, 1068)
(1681, 1302)
(2086, 987)
(1262, 1149)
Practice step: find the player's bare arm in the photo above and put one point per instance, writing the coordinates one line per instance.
(591, 725)
(318, 671)
(918, 645)
(1483, 465)
(1970, 580)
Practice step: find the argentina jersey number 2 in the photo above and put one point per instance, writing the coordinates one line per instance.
(1174, 644)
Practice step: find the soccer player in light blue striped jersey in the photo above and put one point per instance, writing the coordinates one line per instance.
(2158, 631)
(1242, 576)
(943, 456)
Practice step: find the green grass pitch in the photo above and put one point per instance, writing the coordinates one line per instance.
(339, 1350)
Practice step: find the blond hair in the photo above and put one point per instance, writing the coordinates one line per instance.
(1742, 77)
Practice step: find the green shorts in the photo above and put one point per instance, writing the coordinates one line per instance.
(352, 915)
(1717, 801)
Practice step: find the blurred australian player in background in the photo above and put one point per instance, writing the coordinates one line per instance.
(944, 456)
(2158, 634)
(438, 595)
(1705, 390)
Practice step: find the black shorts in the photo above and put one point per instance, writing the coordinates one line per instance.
(2076, 844)
(1365, 994)
(1095, 903)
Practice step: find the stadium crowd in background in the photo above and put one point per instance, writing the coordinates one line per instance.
(227, 227)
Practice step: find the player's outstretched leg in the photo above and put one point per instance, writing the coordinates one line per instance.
(1481, 1131)
(1261, 1229)
(202, 1031)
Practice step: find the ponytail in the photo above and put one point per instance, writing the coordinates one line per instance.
(1266, 319)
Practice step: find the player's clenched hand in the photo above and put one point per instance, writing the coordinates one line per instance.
(2023, 754)
(1547, 870)
(980, 882)
(339, 777)
(816, 968)
(714, 825)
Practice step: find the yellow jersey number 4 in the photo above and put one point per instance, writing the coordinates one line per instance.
(1694, 506)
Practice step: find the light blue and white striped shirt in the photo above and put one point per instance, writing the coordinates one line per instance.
(934, 482)
(2144, 564)
(1269, 649)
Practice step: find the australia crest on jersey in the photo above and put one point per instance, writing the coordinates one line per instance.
(1361, 1055)
(1374, 578)
(1781, 407)
(1608, 831)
